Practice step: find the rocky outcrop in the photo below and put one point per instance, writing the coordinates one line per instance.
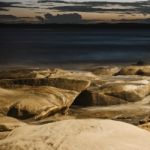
(49, 92)
(114, 92)
(135, 70)
(39, 102)
(78, 135)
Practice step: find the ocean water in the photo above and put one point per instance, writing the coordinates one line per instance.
(47, 46)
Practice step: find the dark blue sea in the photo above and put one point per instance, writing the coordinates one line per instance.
(51, 46)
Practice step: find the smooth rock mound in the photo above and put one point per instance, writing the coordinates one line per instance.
(78, 135)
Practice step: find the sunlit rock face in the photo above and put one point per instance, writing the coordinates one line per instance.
(69, 80)
(38, 102)
(38, 94)
(114, 92)
(77, 135)
(135, 70)
(41, 95)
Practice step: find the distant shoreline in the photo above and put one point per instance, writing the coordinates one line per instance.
(80, 26)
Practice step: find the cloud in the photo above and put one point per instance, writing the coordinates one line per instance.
(83, 8)
(142, 7)
(5, 5)
(69, 11)
(61, 18)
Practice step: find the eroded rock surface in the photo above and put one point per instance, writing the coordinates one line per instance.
(63, 83)
(113, 91)
(38, 102)
(41, 95)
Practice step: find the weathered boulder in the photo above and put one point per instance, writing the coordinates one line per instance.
(114, 92)
(78, 135)
(135, 70)
(9, 123)
(37, 102)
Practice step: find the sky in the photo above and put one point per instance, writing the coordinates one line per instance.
(74, 11)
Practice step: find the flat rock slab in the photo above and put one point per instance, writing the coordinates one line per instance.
(78, 135)
(63, 83)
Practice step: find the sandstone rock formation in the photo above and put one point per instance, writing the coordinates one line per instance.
(63, 83)
(78, 135)
(112, 92)
(37, 96)
(135, 70)
(37, 102)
